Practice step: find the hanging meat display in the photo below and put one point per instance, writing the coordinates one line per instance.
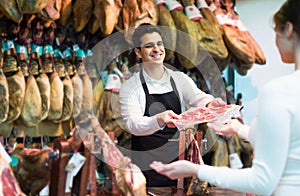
(135, 13)
(170, 34)
(35, 65)
(130, 179)
(51, 12)
(211, 36)
(82, 12)
(11, 10)
(31, 113)
(31, 7)
(87, 106)
(259, 57)
(4, 99)
(68, 96)
(78, 95)
(65, 12)
(183, 23)
(233, 37)
(54, 84)
(15, 78)
(107, 14)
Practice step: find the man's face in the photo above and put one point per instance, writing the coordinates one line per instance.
(152, 48)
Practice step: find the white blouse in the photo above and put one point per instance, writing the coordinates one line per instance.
(275, 135)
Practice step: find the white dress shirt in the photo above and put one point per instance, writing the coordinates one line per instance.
(133, 99)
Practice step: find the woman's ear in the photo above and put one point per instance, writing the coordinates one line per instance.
(137, 53)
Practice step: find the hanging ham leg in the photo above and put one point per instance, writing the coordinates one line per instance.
(32, 108)
(16, 84)
(4, 98)
(135, 13)
(44, 87)
(165, 19)
(56, 97)
(78, 95)
(87, 107)
(196, 186)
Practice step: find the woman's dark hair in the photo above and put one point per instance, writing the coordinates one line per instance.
(141, 30)
(288, 13)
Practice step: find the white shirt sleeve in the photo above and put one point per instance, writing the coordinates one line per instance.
(191, 94)
(271, 132)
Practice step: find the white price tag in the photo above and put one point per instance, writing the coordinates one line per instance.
(4, 154)
(75, 164)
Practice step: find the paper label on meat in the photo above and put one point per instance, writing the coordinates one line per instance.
(225, 19)
(241, 25)
(203, 115)
(193, 13)
(173, 5)
(75, 164)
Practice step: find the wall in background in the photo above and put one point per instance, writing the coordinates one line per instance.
(257, 17)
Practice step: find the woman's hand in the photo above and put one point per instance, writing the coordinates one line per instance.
(166, 118)
(177, 169)
(232, 127)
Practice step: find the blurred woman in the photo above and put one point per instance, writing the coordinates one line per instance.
(274, 133)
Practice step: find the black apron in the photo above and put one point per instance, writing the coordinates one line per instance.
(161, 145)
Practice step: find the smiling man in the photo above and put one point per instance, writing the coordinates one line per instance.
(151, 99)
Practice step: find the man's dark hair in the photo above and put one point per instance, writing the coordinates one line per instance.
(141, 30)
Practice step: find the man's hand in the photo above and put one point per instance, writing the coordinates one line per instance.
(165, 118)
(217, 102)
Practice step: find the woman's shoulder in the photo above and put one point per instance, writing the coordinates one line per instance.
(283, 83)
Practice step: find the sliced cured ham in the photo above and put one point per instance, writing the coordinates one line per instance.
(4, 97)
(56, 97)
(78, 95)
(31, 113)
